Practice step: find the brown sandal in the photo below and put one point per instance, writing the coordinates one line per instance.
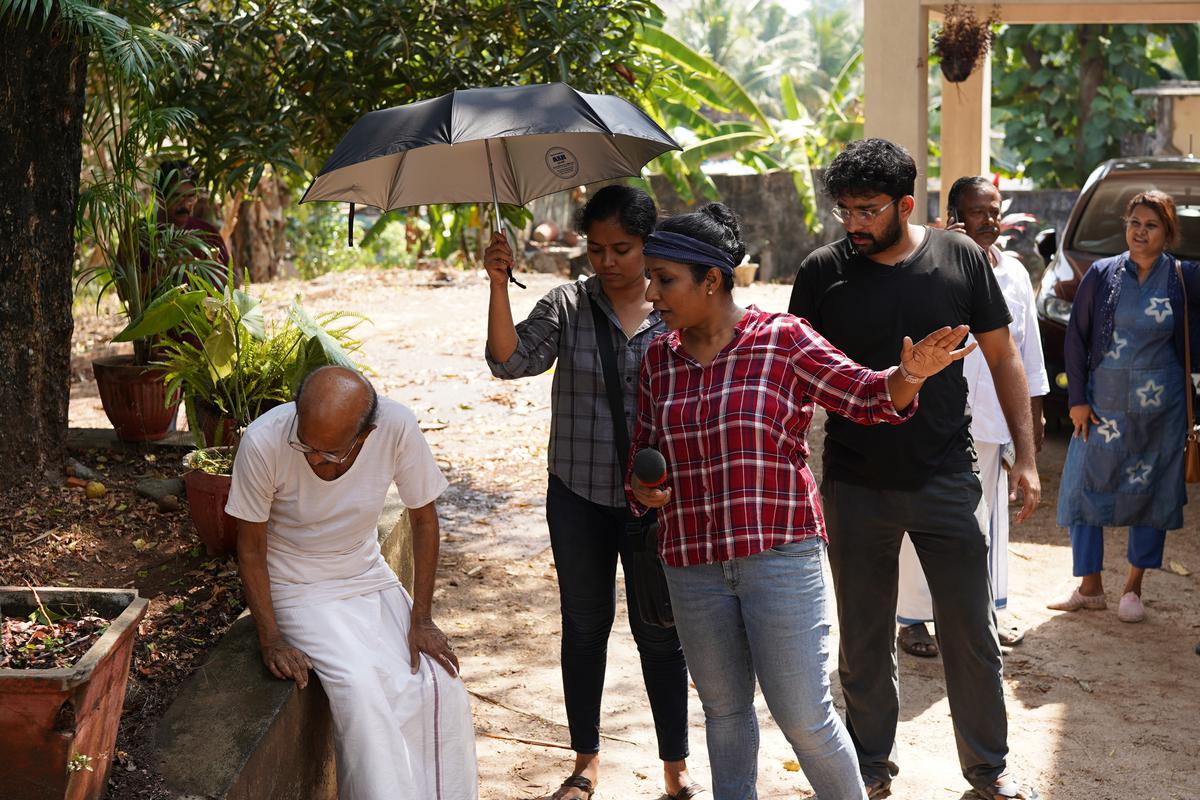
(578, 782)
(688, 792)
(916, 641)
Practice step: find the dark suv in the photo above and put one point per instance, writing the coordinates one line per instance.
(1095, 230)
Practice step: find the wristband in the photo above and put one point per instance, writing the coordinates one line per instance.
(909, 377)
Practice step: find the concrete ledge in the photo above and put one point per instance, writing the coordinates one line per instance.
(235, 732)
(106, 439)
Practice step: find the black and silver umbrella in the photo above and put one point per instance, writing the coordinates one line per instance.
(508, 144)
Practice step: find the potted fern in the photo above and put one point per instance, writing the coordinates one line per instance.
(228, 363)
(963, 41)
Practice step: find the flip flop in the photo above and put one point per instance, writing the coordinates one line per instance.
(687, 792)
(1010, 788)
(578, 782)
(916, 641)
(1010, 635)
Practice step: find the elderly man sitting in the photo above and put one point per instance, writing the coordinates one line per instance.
(309, 484)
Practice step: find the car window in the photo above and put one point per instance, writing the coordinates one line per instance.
(1101, 232)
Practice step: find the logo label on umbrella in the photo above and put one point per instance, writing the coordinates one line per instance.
(562, 162)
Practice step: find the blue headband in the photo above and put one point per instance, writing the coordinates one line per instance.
(686, 250)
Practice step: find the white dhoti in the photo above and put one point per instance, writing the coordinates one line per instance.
(913, 602)
(399, 736)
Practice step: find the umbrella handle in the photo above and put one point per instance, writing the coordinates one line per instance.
(496, 206)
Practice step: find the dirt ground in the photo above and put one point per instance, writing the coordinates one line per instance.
(1097, 708)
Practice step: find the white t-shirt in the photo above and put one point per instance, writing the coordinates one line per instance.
(322, 541)
(987, 418)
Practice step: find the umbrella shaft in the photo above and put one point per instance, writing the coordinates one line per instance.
(487, 146)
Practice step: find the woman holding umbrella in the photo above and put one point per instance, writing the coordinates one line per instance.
(727, 397)
(585, 501)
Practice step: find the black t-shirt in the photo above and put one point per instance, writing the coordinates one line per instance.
(866, 309)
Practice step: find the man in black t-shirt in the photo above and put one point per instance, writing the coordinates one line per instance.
(886, 280)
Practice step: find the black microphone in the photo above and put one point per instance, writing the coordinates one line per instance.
(650, 468)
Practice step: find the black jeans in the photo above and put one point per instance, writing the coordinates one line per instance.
(587, 538)
(947, 523)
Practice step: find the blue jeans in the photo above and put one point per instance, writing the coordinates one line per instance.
(1145, 548)
(764, 616)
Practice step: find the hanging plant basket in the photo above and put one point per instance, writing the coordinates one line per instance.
(963, 41)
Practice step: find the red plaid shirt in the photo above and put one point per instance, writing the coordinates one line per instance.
(734, 434)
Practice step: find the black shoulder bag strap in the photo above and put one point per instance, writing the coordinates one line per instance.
(612, 384)
(644, 576)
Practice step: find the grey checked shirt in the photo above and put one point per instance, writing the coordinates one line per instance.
(582, 453)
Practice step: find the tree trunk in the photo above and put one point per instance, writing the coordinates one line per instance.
(1091, 77)
(42, 77)
(259, 238)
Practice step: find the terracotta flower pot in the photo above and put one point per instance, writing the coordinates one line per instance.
(216, 429)
(58, 727)
(134, 398)
(206, 496)
(957, 69)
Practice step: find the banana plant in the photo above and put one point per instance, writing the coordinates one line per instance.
(693, 92)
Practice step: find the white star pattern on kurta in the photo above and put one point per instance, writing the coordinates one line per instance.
(1150, 394)
(1108, 429)
(1160, 308)
(1119, 343)
(1139, 472)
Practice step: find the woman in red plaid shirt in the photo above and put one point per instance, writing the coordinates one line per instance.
(727, 396)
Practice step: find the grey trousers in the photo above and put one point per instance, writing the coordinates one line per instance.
(947, 523)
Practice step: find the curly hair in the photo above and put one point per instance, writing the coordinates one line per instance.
(871, 166)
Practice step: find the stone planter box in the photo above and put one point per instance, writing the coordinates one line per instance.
(51, 719)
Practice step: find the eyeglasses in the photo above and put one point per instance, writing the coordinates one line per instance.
(332, 458)
(859, 214)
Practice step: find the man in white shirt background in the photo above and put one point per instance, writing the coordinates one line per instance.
(975, 208)
(309, 483)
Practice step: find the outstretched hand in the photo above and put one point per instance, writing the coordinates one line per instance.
(935, 352)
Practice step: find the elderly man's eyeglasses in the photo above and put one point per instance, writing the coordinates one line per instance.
(332, 458)
(860, 215)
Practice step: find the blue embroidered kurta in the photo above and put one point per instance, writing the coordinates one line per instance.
(1130, 470)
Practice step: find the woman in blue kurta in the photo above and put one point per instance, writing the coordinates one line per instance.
(1127, 389)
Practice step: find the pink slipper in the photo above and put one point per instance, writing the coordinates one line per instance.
(1131, 608)
(1073, 601)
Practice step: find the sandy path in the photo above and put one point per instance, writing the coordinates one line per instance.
(1097, 708)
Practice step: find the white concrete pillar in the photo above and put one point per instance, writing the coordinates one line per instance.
(966, 124)
(896, 94)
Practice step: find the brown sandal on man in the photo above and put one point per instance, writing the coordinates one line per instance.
(578, 782)
(687, 792)
(1010, 635)
(916, 641)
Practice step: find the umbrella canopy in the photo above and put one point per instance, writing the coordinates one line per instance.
(508, 144)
